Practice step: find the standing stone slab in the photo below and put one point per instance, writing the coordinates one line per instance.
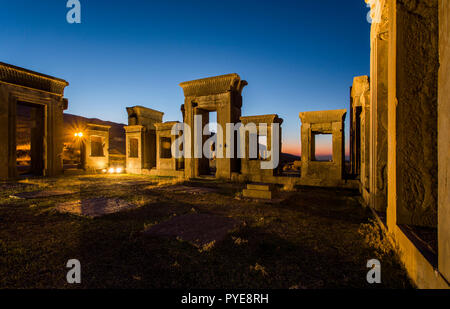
(258, 191)
(443, 140)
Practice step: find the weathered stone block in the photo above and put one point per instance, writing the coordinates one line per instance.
(261, 194)
(444, 140)
(261, 187)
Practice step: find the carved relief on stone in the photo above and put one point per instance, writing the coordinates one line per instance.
(23, 77)
(213, 85)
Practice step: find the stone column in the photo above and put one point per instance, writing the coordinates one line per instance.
(355, 133)
(365, 146)
(413, 114)
(378, 111)
(360, 132)
(228, 113)
(7, 135)
(339, 147)
(189, 165)
(305, 135)
(134, 163)
(443, 140)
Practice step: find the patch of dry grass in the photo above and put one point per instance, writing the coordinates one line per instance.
(375, 238)
(316, 238)
(259, 269)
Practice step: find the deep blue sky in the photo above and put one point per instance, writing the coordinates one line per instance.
(296, 55)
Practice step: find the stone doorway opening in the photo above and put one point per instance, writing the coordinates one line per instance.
(210, 168)
(221, 94)
(30, 132)
(322, 147)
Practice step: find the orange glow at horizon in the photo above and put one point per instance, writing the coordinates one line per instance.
(321, 150)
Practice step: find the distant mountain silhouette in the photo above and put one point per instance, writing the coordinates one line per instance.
(287, 157)
(75, 123)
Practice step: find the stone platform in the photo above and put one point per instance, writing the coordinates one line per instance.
(258, 190)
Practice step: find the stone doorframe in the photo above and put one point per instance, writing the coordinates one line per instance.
(22, 85)
(96, 162)
(323, 122)
(164, 132)
(360, 133)
(222, 94)
(253, 166)
(141, 126)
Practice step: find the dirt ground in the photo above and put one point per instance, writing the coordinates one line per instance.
(311, 238)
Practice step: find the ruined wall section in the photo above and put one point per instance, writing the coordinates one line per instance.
(416, 114)
(443, 139)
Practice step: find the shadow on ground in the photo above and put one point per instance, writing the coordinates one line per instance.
(315, 238)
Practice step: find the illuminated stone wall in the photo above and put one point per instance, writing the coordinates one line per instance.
(323, 122)
(443, 139)
(18, 85)
(96, 147)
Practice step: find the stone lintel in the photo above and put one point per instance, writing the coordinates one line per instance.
(273, 118)
(134, 129)
(213, 85)
(30, 79)
(97, 127)
(145, 112)
(360, 86)
(337, 115)
(165, 126)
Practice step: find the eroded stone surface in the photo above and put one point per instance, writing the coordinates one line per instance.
(416, 113)
(443, 139)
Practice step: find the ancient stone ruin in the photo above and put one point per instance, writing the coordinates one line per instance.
(399, 125)
(323, 122)
(222, 94)
(141, 138)
(95, 150)
(31, 105)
